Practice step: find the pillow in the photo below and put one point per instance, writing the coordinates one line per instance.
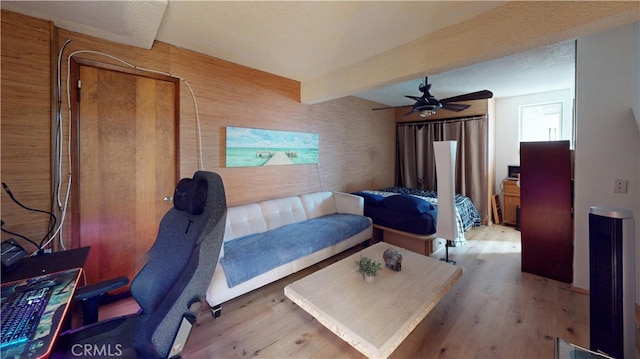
(190, 196)
(369, 198)
(407, 203)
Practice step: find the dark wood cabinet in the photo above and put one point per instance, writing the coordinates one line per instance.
(546, 209)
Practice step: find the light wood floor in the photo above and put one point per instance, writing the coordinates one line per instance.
(494, 311)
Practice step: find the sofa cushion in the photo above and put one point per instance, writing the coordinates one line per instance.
(282, 211)
(244, 220)
(250, 256)
(318, 204)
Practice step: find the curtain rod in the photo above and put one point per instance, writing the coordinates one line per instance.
(443, 120)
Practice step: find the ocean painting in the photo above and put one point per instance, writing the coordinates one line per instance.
(250, 147)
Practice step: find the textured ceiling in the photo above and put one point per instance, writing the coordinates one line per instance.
(543, 69)
(311, 40)
(130, 22)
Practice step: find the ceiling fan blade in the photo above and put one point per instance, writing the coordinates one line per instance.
(427, 104)
(387, 108)
(456, 107)
(410, 112)
(478, 95)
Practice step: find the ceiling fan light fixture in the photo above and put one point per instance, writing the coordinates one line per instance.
(427, 113)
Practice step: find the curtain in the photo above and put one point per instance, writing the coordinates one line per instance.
(416, 166)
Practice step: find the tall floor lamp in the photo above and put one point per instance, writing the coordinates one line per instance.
(445, 152)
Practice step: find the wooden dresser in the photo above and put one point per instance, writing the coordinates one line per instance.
(511, 194)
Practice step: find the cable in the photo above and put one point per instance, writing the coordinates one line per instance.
(59, 119)
(199, 131)
(52, 217)
(319, 177)
(58, 152)
(57, 149)
(23, 237)
(39, 247)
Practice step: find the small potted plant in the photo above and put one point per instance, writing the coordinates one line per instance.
(368, 267)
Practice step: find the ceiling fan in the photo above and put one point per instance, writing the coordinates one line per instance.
(427, 105)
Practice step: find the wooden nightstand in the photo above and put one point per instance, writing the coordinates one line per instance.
(511, 194)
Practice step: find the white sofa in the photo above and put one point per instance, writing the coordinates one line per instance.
(262, 218)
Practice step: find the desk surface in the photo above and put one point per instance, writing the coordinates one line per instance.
(47, 263)
(51, 320)
(374, 317)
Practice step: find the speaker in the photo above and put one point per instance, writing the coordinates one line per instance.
(612, 281)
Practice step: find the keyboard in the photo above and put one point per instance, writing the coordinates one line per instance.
(21, 314)
(33, 313)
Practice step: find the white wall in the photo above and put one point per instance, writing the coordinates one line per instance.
(507, 150)
(607, 139)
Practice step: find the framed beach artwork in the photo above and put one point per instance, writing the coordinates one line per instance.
(251, 147)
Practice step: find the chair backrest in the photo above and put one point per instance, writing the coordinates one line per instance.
(181, 262)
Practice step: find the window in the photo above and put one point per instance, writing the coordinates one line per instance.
(542, 122)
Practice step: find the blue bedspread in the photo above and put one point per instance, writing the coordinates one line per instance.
(415, 211)
(400, 211)
(468, 211)
(249, 256)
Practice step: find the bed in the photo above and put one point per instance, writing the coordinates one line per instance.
(415, 211)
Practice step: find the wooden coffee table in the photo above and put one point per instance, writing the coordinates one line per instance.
(375, 317)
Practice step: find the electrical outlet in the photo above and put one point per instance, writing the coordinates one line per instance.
(620, 186)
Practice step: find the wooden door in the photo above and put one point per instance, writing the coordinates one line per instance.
(545, 210)
(125, 161)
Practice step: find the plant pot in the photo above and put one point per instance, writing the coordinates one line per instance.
(368, 278)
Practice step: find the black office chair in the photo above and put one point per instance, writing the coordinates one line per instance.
(170, 287)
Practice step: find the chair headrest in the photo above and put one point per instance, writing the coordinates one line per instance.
(190, 196)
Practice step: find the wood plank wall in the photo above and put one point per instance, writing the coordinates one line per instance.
(357, 145)
(26, 123)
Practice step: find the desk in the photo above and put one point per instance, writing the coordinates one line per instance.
(47, 263)
(61, 286)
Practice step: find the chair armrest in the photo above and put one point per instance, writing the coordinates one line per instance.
(89, 296)
(98, 289)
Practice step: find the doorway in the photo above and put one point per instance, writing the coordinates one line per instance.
(124, 163)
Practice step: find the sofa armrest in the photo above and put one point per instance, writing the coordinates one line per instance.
(349, 203)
